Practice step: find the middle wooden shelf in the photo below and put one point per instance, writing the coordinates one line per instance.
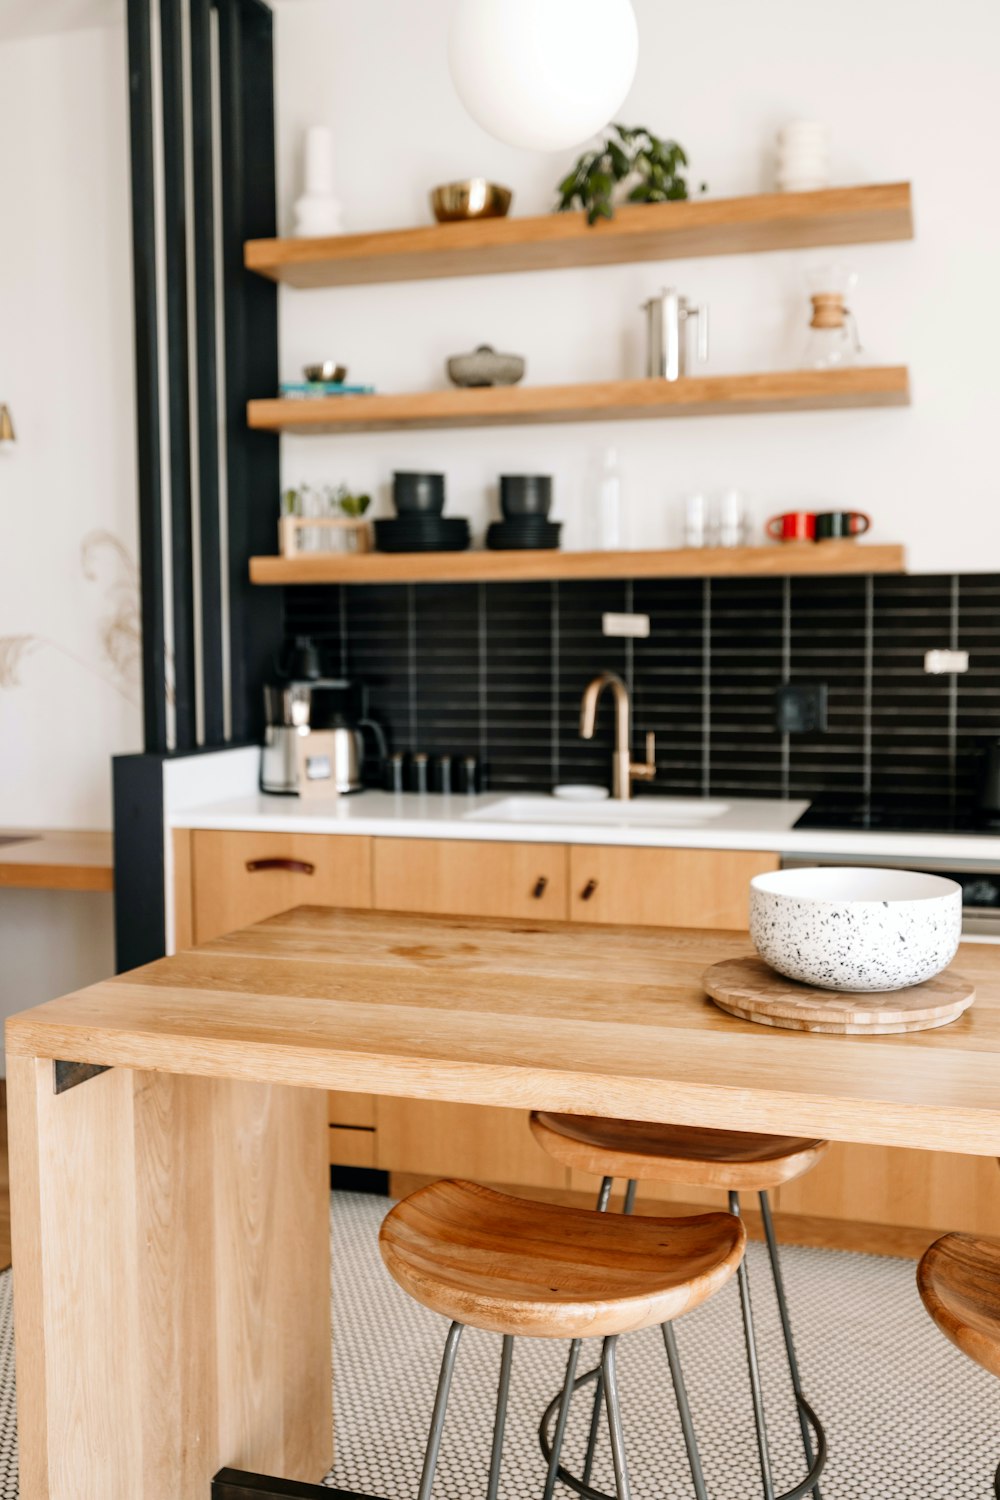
(612, 400)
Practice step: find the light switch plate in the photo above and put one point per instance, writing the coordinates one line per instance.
(636, 626)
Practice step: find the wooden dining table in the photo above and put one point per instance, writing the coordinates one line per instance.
(169, 1166)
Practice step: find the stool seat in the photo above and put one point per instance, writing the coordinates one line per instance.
(959, 1281)
(730, 1159)
(512, 1266)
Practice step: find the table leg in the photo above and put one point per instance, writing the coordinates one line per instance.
(171, 1282)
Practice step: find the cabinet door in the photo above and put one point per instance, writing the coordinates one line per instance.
(430, 1138)
(664, 887)
(886, 1185)
(468, 878)
(239, 878)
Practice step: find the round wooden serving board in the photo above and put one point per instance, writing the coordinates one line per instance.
(751, 989)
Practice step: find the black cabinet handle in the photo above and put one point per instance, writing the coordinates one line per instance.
(588, 890)
(293, 866)
(540, 885)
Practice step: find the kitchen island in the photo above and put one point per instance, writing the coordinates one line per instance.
(188, 1327)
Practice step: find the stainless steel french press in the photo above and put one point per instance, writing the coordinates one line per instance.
(667, 317)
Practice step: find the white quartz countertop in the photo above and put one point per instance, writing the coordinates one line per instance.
(746, 823)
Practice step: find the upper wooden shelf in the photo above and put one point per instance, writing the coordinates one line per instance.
(615, 400)
(667, 231)
(794, 559)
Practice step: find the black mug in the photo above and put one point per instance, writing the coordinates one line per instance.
(833, 524)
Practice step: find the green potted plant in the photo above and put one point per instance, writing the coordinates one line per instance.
(651, 169)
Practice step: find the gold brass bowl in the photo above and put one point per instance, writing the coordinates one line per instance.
(473, 199)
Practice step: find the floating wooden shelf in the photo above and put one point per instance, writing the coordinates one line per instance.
(668, 231)
(613, 400)
(793, 559)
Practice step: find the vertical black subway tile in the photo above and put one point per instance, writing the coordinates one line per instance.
(827, 645)
(519, 684)
(668, 671)
(746, 654)
(378, 653)
(911, 715)
(445, 652)
(585, 651)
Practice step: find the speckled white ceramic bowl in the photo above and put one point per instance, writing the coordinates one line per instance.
(856, 928)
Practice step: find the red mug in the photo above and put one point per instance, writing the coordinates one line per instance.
(793, 526)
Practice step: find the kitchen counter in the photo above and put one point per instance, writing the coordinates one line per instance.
(206, 1139)
(750, 823)
(56, 860)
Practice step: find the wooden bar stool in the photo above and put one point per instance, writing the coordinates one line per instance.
(959, 1282)
(487, 1260)
(733, 1160)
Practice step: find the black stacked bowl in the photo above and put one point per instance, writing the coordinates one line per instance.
(525, 500)
(419, 525)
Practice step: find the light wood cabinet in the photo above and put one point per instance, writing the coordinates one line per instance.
(663, 887)
(864, 1196)
(471, 877)
(240, 878)
(424, 1137)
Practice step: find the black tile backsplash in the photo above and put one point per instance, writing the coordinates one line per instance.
(497, 670)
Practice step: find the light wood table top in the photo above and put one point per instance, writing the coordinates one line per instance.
(56, 859)
(556, 1016)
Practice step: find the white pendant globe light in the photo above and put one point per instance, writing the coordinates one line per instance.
(543, 74)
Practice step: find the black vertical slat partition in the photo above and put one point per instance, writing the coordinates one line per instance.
(251, 343)
(140, 66)
(203, 182)
(175, 230)
(209, 529)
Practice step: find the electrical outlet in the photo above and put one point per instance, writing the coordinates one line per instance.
(800, 708)
(636, 626)
(940, 662)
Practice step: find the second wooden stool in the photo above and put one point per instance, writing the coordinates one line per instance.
(733, 1160)
(959, 1282)
(512, 1267)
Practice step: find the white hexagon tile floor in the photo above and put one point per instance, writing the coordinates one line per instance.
(908, 1418)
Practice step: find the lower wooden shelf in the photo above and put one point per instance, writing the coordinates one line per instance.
(793, 559)
(612, 400)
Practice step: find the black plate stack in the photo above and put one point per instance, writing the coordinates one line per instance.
(525, 500)
(419, 525)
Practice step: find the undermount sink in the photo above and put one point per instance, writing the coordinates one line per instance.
(644, 812)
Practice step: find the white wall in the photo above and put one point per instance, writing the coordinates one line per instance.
(912, 91)
(69, 691)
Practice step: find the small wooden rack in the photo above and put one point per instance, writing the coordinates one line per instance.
(550, 242)
(791, 560)
(621, 400)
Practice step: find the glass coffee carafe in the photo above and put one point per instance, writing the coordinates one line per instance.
(832, 341)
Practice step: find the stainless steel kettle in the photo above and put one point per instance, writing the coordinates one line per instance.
(348, 751)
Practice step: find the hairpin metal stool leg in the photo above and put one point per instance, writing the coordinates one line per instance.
(996, 1484)
(687, 1426)
(755, 1389)
(807, 1417)
(440, 1408)
(608, 1366)
(500, 1421)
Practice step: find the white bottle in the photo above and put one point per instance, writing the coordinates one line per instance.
(318, 212)
(695, 521)
(609, 505)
